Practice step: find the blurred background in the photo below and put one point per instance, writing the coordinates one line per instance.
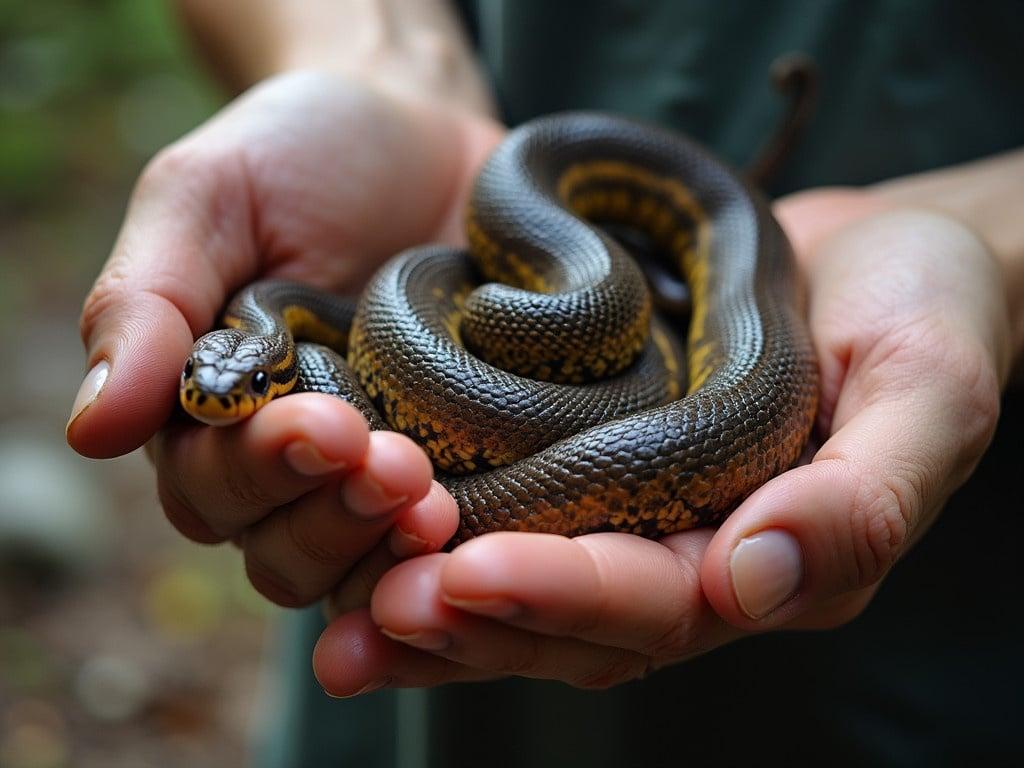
(121, 644)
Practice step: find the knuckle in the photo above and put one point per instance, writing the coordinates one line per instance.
(524, 662)
(882, 516)
(682, 629)
(249, 495)
(440, 672)
(272, 584)
(172, 165)
(242, 487)
(586, 623)
(107, 293)
(620, 667)
(181, 514)
(314, 548)
(365, 580)
(676, 639)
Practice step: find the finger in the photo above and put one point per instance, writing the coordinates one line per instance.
(353, 657)
(916, 399)
(419, 529)
(219, 480)
(354, 591)
(836, 611)
(185, 242)
(810, 217)
(838, 524)
(609, 589)
(304, 548)
(409, 607)
(426, 526)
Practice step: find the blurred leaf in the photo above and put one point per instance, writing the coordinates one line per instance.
(186, 602)
(87, 92)
(24, 664)
(29, 157)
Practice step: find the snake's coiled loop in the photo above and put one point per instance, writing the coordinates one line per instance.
(533, 371)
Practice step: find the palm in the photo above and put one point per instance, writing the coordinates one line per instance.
(340, 178)
(307, 177)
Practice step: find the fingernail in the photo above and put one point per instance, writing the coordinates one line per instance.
(364, 497)
(495, 607)
(404, 544)
(427, 639)
(91, 387)
(365, 689)
(767, 569)
(305, 459)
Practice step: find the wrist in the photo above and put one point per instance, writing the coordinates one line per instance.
(419, 66)
(415, 50)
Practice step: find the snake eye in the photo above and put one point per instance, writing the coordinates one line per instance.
(187, 371)
(259, 383)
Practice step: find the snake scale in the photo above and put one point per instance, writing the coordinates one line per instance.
(532, 367)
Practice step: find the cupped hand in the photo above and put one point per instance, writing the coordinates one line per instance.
(308, 177)
(909, 321)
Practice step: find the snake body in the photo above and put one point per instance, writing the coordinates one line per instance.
(532, 367)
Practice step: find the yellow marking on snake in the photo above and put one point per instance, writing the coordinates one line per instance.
(502, 265)
(691, 247)
(610, 171)
(287, 362)
(458, 302)
(671, 361)
(305, 325)
(697, 268)
(660, 469)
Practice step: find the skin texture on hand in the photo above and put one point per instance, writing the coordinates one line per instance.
(909, 320)
(310, 177)
(313, 177)
(307, 177)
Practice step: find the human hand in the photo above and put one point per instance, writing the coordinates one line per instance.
(909, 321)
(308, 177)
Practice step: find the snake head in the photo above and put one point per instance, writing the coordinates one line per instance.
(230, 375)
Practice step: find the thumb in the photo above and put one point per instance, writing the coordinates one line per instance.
(911, 364)
(184, 243)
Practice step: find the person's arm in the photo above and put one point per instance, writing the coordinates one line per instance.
(412, 48)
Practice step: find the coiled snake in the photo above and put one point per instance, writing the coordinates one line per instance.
(532, 368)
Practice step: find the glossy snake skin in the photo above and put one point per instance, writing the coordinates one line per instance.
(532, 368)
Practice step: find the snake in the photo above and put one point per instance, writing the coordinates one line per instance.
(536, 367)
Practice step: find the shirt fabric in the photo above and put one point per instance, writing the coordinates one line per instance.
(932, 673)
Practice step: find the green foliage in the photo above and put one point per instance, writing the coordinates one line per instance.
(87, 91)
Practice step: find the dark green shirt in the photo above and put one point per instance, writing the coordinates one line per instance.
(906, 85)
(932, 673)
